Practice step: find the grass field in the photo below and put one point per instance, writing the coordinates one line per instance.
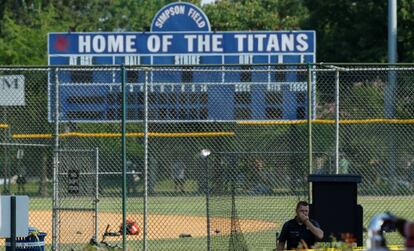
(275, 209)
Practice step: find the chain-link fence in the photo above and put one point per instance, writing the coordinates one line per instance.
(71, 136)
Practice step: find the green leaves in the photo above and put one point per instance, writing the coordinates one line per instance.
(24, 27)
(256, 15)
(349, 31)
(346, 31)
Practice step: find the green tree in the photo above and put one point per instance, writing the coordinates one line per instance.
(21, 44)
(349, 31)
(256, 15)
(405, 31)
(356, 31)
(24, 24)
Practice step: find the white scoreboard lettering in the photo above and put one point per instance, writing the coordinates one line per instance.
(273, 87)
(132, 60)
(298, 87)
(187, 59)
(204, 43)
(207, 42)
(110, 43)
(246, 59)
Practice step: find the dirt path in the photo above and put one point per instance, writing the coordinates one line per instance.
(78, 227)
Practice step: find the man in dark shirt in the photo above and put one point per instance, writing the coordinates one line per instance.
(300, 231)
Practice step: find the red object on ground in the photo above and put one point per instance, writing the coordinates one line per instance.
(131, 228)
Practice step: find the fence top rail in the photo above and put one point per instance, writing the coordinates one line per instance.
(207, 68)
(65, 150)
(304, 66)
(24, 144)
(276, 152)
(211, 69)
(342, 69)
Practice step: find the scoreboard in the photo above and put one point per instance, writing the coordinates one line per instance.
(196, 74)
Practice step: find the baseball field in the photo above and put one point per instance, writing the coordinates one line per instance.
(259, 218)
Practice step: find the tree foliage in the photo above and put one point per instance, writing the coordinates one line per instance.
(346, 31)
(349, 31)
(256, 15)
(24, 24)
(405, 31)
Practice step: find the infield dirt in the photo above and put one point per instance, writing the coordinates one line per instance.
(79, 227)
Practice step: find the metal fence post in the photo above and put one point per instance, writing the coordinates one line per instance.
(146, 158)
(96, 192)
(205, 153)
(55, 216)
(389, 110)
(337, 121)
(310, 160)
(123, 157)
(7, 137)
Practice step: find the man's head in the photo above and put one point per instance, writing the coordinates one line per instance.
(302, 207)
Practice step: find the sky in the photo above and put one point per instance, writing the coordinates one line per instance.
(207, 1)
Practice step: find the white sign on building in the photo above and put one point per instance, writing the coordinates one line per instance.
(12, 90)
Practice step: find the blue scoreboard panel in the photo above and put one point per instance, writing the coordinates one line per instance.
(197, 75)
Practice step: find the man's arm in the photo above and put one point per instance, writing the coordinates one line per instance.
(314, 229)
(280, 246)
(282, 238)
